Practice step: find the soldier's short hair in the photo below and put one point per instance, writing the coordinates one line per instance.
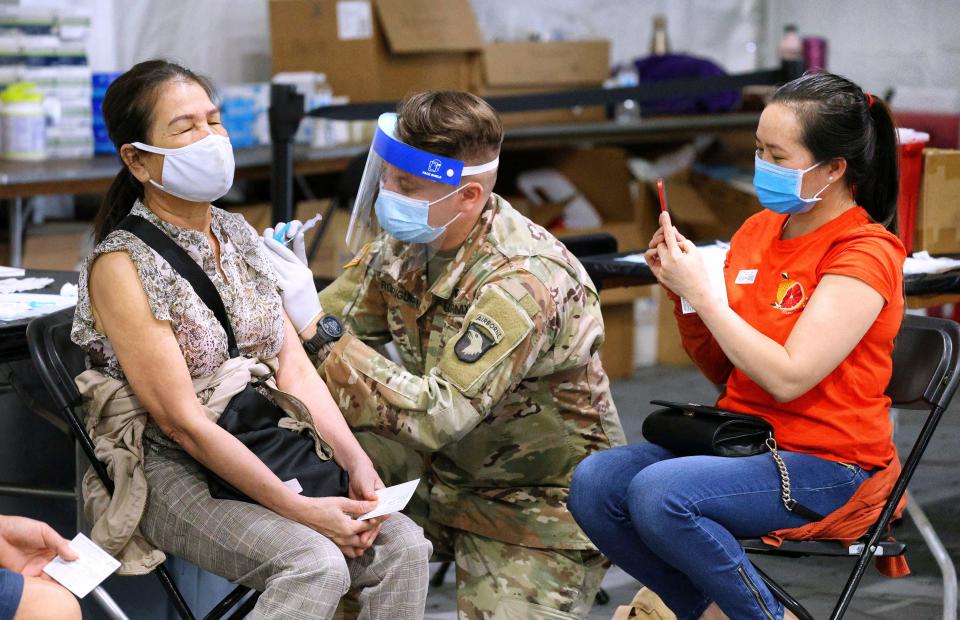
(450, 123)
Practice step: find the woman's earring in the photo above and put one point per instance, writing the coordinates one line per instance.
(829, 178)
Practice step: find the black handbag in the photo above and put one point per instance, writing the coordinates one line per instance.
(688, 429)
(250, 416)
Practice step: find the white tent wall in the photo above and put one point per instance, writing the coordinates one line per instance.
(722, 30)
(882, 43)
(878, 43)
(229, 40)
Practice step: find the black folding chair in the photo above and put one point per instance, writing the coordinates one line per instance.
(925, 377)
(58, 361)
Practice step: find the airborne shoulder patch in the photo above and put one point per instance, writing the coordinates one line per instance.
(493, 328)
(482, 333)
(472, 345)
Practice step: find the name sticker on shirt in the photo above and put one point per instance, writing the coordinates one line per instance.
(746, 276)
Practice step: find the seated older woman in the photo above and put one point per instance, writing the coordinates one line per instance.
(143, 326)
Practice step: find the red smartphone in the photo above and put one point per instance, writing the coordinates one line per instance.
(663, 195)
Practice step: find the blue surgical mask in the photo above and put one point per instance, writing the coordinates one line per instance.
(406, 218)
(778, 188)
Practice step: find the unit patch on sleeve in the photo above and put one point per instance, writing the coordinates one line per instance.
(483, 333)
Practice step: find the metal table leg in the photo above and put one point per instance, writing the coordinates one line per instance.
(108, 605)
(16, 232)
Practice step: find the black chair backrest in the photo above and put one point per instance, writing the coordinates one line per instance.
(925, 361)
(57, 359)
(590, 245)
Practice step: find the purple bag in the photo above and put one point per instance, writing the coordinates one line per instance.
(679, 66)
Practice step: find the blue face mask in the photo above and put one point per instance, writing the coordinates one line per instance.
(778, 188)
(406, 218)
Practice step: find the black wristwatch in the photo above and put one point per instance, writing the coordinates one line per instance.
(328, 330)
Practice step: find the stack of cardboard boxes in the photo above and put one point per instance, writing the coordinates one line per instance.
(938, 213)
(382, 50)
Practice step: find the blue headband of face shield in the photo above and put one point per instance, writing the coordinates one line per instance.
(407, 218)
(421, 163)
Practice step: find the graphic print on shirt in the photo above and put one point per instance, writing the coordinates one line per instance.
(790, 295)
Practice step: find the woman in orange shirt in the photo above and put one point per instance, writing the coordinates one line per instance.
(814, 284)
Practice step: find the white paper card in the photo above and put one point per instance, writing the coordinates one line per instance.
(294, 485)
(11, 272)
(392, 499)
(354, 20)
(633, 258)
(714, 256)
(91, 567)
(746, 276)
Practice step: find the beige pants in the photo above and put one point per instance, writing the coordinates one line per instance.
(301, 574)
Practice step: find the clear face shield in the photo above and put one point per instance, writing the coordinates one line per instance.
(407, 193)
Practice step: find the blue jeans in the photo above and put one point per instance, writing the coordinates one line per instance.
(673, 522)
(11, 589)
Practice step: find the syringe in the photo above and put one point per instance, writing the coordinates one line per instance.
(313, 221)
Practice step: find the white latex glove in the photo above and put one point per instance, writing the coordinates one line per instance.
(297, 289)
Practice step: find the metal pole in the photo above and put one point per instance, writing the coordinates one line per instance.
(16, 232)
(108, 605)
(940, 554)
(286, 111)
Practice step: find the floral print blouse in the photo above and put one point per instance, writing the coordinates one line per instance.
(249, 293)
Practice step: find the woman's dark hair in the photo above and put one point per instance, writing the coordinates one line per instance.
(128, 108)
(838, 119)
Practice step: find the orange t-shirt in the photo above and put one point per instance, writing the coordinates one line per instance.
(769, 280)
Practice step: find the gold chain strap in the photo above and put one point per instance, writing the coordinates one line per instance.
(785, 494)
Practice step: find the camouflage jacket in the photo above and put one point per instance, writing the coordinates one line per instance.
(500, 384)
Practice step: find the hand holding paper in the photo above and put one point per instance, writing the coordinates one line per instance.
(91, 567)
(26, 545)
(392, 499)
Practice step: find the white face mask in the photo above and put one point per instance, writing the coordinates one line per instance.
(199, 172)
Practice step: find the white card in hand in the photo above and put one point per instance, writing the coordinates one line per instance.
(392, 499)
(714, 256)
(91, 567)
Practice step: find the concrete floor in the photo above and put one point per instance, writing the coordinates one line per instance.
(815, 582)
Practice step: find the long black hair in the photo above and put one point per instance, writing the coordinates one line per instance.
(838, 119)
(128, 108)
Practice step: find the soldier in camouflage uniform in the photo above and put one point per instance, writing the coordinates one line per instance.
(498, 394)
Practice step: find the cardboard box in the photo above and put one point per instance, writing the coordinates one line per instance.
(553, 64)
(520, 68)
(57, 246)
(704, 208)
(938, 212)
(601, 175)
(376, 50)
(670, 350)
(617, 351)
